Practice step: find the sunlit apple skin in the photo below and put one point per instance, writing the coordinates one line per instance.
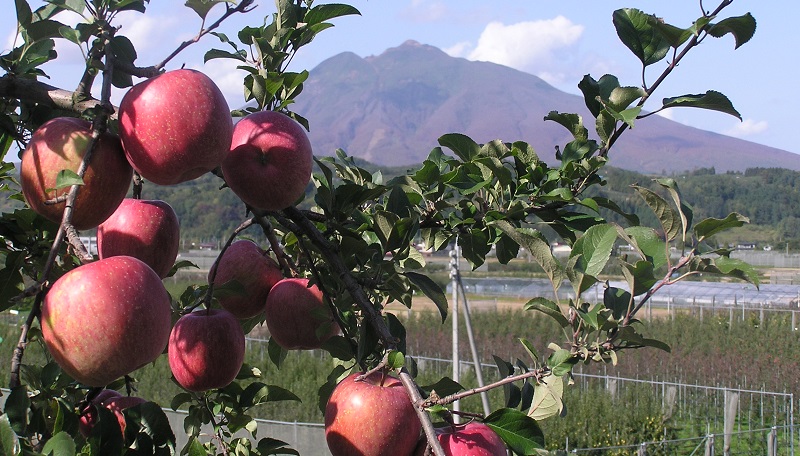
(472, 439)
(60, 144)
(270, 160)
(206, 349)
(297, 317)
(145, 229)
(105, 319)
(370, 418)
(249, 265)
(175, 127)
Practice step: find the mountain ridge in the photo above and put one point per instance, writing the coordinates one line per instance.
(391, 108)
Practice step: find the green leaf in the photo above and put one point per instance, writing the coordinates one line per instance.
(11, 280)
(669, 218)
(618, 300)
(42, 30)
(649, 244)
(464, 147)
(474, 246)
(742, 28)
(684, 210)
(67, 178)
(628, 115)
(519, 431)
(277, 354)
(321, 13)
(711, 226)
(640, 277)
(536, 244)
(148, 423)
(549, 308)
(636, 32)
(444, 387)
(259, 393)
(622, 97)
(202, 7)
(220, 54)
(124, 51)
(529, 348)
(561, 362)
(547, 398)
(16, 409)
(395, 360)
(726, 266)
(591, 94)
(431, 289)
(24, 14)
(9, 444)
(675, 36)
(595, 248)
(712, 100)
(572, 122)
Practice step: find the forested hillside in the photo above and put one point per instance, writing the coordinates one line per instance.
(770, 197)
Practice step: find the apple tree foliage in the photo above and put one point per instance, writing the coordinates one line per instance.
(358, 240)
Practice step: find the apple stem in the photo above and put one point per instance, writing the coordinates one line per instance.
(289, 269)
(213, 274)
(137, 185)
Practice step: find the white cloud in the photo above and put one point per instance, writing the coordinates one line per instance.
(460, 49)
(667, 114)
(149, 31)
(748, 127)
(229, 79)
(530, 46)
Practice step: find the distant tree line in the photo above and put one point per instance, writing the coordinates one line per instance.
(770, 197)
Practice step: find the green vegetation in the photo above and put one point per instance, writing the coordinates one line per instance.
(770, 197)
(742, 355)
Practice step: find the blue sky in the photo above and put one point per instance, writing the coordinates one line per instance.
(559, 41)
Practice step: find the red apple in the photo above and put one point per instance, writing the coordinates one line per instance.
(118, 404)
(373, 417)
(144, 229)
(206, 349)
(269, 164)
(60, 144)
(249, 265)
(175, 127)
(472, 439)
(113, 401)
(297, 317)
(105, 319)
(89, 413)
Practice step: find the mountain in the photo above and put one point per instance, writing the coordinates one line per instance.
(391, 108)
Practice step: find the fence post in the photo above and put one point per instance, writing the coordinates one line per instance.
(772, 442)
(710, 445)
(643, 450)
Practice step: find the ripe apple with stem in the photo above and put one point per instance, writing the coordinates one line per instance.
(206, 349)
(470, 439)
(175, 127)
(297, 317)
(252, 268)
(60, 144)
(270, 160)
(372, 417)
(105, 319)
(145, 229)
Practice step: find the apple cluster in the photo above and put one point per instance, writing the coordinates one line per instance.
(266, 160)
(373, 416)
